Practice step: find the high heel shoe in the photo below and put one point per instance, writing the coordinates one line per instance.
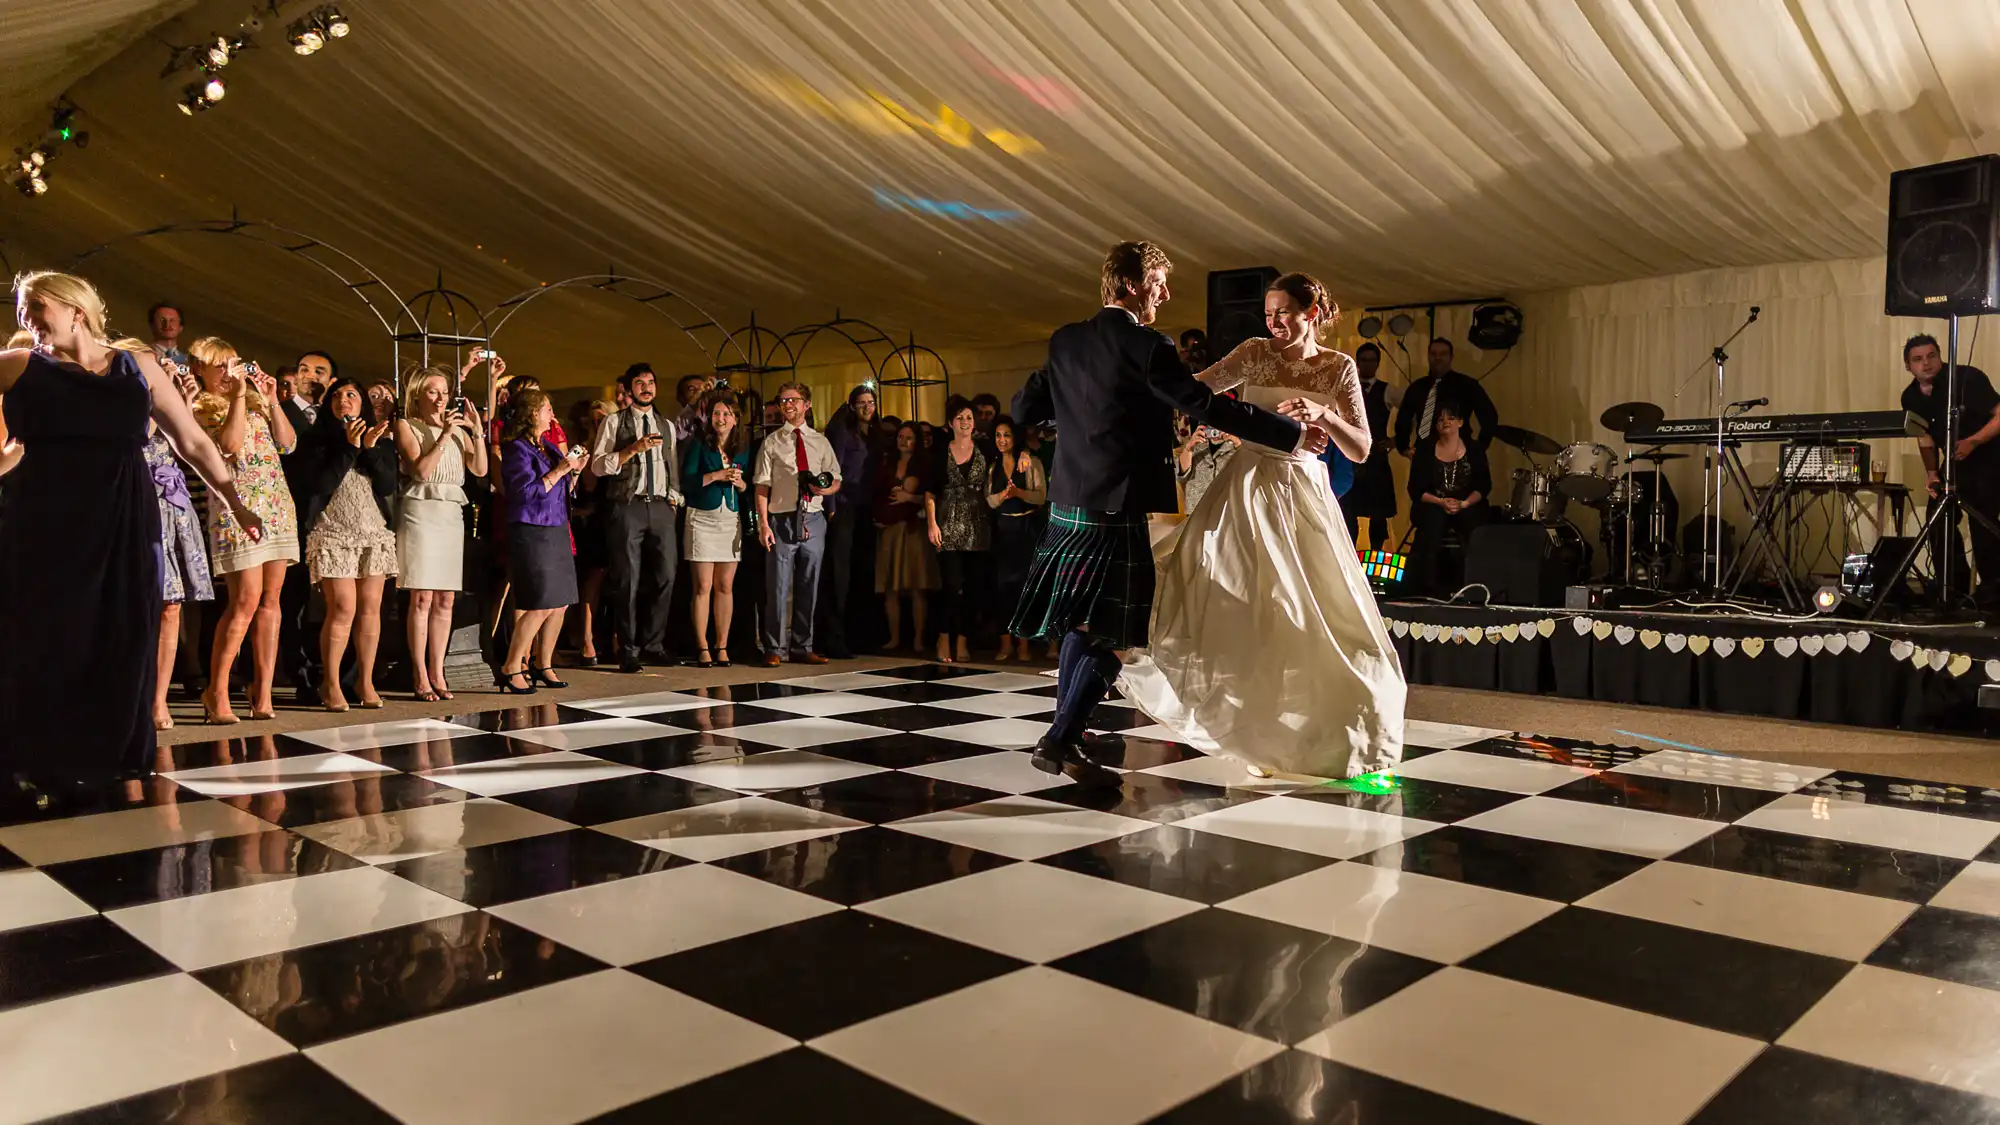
(218, 720)
(722, 659)
(505, 682)
(542, 677)
(702, 661)
(326, 694)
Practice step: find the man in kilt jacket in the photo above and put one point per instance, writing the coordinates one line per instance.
(1111, 387)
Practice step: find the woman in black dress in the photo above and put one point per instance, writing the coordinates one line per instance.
(1017, 490)
(961, 529)
(80, 548)
(1449, 484)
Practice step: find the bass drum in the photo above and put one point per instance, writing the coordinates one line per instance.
(1586, 469)
(1535, 498)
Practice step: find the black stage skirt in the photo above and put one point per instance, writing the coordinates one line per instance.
(1093, 570)
(541, 566)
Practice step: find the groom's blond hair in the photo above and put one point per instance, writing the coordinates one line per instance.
(1126, 267)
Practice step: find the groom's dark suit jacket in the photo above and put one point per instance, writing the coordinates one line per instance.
(1111, 387)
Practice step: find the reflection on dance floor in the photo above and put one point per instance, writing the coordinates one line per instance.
(850, 897)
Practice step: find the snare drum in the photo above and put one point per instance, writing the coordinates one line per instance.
(1586, 469)
(1535, 496)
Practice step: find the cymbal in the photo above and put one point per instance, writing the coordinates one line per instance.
(1528, 441)
(1632, 416)
(1655, 455)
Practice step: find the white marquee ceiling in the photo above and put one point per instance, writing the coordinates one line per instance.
(955, 167)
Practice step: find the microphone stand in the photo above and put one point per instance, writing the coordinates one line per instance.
(1712, 473)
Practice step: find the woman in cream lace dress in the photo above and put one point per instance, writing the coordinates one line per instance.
(1266, 643)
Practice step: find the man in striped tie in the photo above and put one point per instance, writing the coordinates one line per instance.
(634, 457)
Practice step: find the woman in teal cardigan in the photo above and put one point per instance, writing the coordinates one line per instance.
(714, 473)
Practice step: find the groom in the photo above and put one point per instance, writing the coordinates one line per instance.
(1111, 386)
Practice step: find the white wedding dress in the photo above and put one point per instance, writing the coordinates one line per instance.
(1266, 643)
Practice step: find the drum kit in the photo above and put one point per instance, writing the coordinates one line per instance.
(1636, 506)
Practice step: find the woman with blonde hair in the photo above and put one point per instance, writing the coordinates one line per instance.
(440, 441)
(80, 582)
(238, 407)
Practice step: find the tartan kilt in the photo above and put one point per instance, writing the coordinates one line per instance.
(1094, 570)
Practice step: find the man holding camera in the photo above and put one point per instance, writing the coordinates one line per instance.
(796, 468)
(634, 456)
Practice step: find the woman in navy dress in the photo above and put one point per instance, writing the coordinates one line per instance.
(80, 566)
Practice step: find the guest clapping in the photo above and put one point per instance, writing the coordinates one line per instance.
(238, 408)
(348, 482)
(538, 477)
(438, 443)
(715, 474)
(1016, 491)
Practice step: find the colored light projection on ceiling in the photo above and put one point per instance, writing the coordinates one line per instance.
(880, 115)
(952, 209)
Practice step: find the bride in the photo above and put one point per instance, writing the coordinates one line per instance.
(1267, 646)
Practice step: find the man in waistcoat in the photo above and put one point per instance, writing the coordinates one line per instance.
(635, 457)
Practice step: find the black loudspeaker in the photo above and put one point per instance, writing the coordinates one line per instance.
(1944, 235)
(1236, 307)
(1518, 563)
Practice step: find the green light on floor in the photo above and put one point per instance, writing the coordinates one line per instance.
(1381, 781)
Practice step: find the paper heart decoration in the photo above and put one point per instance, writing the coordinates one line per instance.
(1901, 650)
(1813, 645)
(1786, 646)
(1698, 645)
(1858, 641)
(1650, 638)
(1993, 670)
(1960, 664)
(1511, 632)
(1546, 626)
(1400, 628)
(1624, 633)
(1676, 642)
(1458, 636)
(1724, 646)
(1836, 643)
(1430, 632)
(1475, 636)
(1580, 624)
(1600, 629)
(1753, 647)
(1939, 658)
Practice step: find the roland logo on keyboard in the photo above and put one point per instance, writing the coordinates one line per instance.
(1697, 426)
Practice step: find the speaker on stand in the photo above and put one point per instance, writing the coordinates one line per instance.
(1943, 261)
(1236, 307)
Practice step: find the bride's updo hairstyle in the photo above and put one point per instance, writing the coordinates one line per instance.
(1311, 296)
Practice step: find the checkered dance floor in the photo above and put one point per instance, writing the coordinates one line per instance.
(850, 898)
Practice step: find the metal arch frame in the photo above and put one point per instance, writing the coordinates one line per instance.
(651, 294)
(421, 334)
(840, 326)
(767, 353)
(356, 277)
(910, 381)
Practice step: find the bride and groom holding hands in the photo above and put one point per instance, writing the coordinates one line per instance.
(1250, 630)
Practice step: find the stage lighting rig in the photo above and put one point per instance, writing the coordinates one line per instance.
(29, 172)
(313, 31)
(194, 99)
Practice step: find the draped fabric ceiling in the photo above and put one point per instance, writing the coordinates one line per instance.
(955, 168)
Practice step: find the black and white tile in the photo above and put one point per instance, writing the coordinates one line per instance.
(850, 897)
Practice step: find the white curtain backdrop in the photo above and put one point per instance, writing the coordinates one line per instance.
(955, 168)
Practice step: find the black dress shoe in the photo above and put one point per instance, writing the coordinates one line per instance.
(1053, 757)
(629, 663)
(1104, 749)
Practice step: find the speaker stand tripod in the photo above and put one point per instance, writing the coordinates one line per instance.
(1941, 521)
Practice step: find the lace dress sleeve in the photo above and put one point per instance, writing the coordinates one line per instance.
(1240, 366)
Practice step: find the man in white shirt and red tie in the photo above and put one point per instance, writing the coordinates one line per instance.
(795, 468)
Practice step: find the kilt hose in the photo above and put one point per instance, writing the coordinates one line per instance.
(1093, 570)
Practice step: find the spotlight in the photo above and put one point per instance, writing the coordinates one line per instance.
(36, 158)
(305, 36)
(1401, 323)
(216, 54)
(193, 100)
(336, 24)
(1826, 599)
(1370, 326)
(213, 89)
(31, 185)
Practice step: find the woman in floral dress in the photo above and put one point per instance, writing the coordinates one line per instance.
(184, 573)
(238, 407)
